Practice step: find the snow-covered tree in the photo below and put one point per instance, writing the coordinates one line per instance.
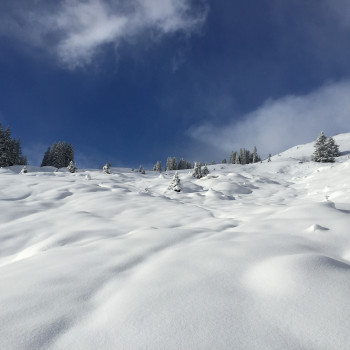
(254, 157)
(171, 164)
(158, 167)
(197, 171)
(175, 183)
(333, 148)
(269, 158)
(205, 170)
(72, 168)
(325, 149)
(141, 170)
(107, 168)
(224, 161)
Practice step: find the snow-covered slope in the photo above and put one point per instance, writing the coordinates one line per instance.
(249, 257)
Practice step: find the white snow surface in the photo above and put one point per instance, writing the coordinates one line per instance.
(249, 257)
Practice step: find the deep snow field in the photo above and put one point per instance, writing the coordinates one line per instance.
(249, 257)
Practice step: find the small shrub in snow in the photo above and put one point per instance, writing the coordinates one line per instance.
(175, 183)
(107, 168)
(72, 167)
(141, 170)
(24, 170)
(87, 177)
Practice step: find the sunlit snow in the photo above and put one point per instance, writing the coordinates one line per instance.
(248, 257)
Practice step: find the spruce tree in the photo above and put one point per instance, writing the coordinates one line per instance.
(325, 149)
(205, 170)
(197, 171)
(158, 167)
(46, 158)
(175, 183)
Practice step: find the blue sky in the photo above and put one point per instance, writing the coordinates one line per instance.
(137, 81)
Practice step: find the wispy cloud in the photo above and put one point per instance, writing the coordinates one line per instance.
(282, 123)
(77, 30)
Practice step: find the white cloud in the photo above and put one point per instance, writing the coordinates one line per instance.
(283, 123)
(76, 30)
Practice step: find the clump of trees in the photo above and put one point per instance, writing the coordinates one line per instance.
(325, 149)
(172, 164)
(10, 149)
(244, 156)
(59, 155)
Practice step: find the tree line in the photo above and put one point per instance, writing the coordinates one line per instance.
(59, 155)
(10, 149)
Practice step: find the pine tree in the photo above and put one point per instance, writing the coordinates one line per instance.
(10, 149)
(269, 158)
(205, 171)
(46, 158)
(158, 167)
(197, 171)
(233, 157)
(224, 161)
(333, 148)
(175, 183)
(237, 160)
(325, 149)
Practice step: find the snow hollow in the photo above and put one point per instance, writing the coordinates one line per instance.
(248, 257)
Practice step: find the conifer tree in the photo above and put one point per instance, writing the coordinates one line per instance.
(46, 158)
(325, 149)
(205, 171)
(197, 171)
(10, 149)
(158, 167)
(175, 183)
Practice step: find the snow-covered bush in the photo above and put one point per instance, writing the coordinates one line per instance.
(24, 170)
(325, 149)
(107, 168)
(175, 183)
(72, 167)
